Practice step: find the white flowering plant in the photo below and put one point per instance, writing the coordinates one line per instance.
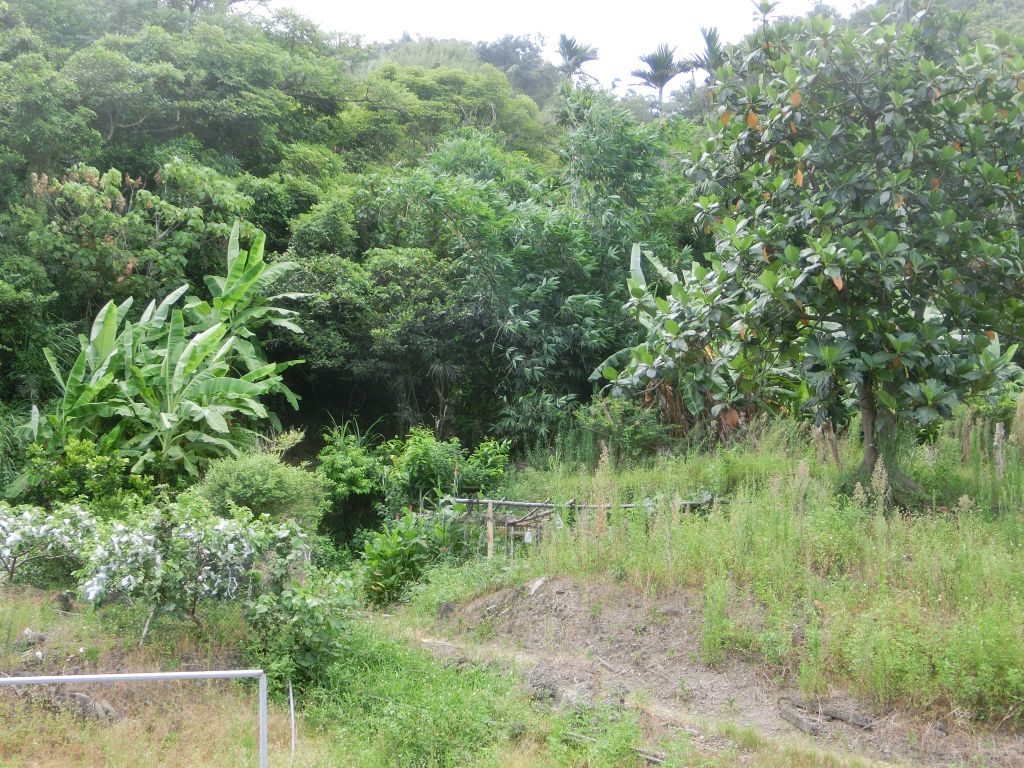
(174, 557)
(30, 534)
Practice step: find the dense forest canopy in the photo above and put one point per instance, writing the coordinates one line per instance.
(456, 218)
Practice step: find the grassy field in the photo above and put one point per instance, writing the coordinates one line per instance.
(812, 578)
(924, 609)
(388, 704)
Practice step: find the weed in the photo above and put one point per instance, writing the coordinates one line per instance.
(816, 575)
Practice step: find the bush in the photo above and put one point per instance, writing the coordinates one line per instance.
(297, 633)
(347, 465)
(422, 468)
(351, 473)
(174, 557)
(630, 431)
(485, 467)
(78, 473)
(394, 558)
(266, 486)
(30, 535)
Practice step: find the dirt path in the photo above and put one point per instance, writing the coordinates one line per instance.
(583, 642)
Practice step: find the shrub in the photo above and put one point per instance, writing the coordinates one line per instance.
(30, 535)
(266, 486)
(394, 558)
(485, 467)
(347, 465)
(422, 468)
(297, 633)
(630, 431)
(79, 473)
(351, 473)
(172, 558)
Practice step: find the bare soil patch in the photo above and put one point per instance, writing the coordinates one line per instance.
(596, 641)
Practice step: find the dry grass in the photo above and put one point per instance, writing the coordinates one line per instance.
(182, 727)
(208, 724)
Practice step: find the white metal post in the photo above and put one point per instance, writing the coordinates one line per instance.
(263, 720)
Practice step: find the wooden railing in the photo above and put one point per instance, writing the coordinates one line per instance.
(527, 518)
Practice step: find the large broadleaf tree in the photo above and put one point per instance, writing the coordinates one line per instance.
(863, 189)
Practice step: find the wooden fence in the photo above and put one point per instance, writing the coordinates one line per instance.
(526, 519)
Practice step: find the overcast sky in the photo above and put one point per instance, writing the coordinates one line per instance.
(621, 31)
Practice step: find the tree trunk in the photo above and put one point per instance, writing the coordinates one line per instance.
(965, 436)
(878, 446)
(868, 416)
(829, 431)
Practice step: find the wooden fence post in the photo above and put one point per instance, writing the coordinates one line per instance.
(997, 444)
(490, 530)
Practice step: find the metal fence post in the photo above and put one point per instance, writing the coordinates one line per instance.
(263, 721)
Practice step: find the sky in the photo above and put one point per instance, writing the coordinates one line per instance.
(621, 31)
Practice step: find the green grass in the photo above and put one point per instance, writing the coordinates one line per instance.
(802, 571)
(924, 609)
(386, 703)
(392, 705)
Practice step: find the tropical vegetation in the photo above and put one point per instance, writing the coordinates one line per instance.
(283, 314)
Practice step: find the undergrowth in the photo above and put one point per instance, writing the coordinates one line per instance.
(923, 608)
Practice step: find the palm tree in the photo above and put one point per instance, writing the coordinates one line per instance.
(711, 58)
(661, 68)
(574, 55)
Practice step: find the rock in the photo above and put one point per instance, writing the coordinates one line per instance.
(29, 639)
(105, 711)
(536, 584)
(575, 696)
(541, 684)
(87, 707)
(32, 658)
(66, 601)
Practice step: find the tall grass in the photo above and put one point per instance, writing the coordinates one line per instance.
(923, 608)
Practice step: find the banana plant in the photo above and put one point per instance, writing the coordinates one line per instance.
(179, 386)
(244, 302)
(184, 404)
(87, 397)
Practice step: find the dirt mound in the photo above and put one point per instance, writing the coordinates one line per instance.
(584, 641)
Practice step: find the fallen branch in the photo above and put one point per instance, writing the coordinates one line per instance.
(790, 715)
(834, 713)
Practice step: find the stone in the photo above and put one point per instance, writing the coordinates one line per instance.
(87, 707)
(29, 639)
(575, 696)
(541, 684)
(535, 585)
